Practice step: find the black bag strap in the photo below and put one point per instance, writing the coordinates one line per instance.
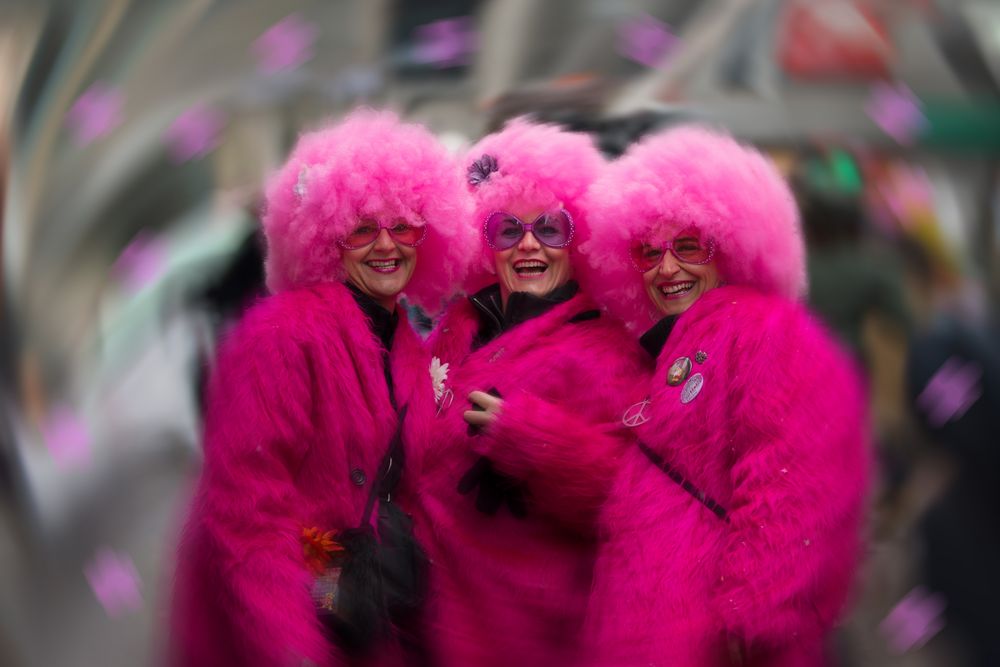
(585, 316)
(389, 471)
(657, 460)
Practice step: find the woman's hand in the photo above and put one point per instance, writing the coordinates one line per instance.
(487, 410)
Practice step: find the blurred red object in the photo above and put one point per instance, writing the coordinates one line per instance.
(833, 38)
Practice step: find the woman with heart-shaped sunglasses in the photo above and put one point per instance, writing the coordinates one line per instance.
(533, 371)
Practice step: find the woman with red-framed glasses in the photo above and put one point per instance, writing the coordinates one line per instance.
(529, 369)
(296, 550)
(732, 529)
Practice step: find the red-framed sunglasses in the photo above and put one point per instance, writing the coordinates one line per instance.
(368, 230)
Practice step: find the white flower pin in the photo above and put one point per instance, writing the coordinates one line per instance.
(439, 373)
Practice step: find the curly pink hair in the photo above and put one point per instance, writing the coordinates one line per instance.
(693, 176)
(538, 166)
(368, 164)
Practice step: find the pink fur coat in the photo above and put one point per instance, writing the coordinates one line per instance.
(298, 420)
(508, 590)
(776, 440)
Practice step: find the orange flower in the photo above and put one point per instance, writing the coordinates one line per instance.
(319, 548)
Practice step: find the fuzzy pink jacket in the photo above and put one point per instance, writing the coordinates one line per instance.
(298, 420)
(505, 590)
(777, 437)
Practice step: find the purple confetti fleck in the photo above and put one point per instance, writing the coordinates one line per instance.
(95, 113)
(286, 45)
(194, 133)
(951, 391)
(67, 438)
(114, 580)
(913, 621)
(645, 40)
(896, 110)
(446, 43)
(141, 262)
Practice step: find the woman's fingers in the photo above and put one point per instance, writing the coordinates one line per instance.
(486, 401)
(478, 417)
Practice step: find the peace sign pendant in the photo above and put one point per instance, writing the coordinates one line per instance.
(635, 415)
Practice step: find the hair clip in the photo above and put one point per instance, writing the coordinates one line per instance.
(482, 168)
(300, 185)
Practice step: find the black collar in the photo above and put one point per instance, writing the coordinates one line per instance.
(521, 307)
(381, 322)
(653, 340)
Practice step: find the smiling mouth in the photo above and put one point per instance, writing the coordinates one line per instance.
(383, 265)
(530, 268)
(676, 290)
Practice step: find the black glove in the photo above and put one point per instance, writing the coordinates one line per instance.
(495, 488)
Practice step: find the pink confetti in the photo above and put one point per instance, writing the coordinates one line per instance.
(645, 40)
(141, 262)
(446, 43)
(286, 45)
(908, 193)
(115, 582)
(67, 438)
(914, 620)
(897, 111)
(194, 133)
(95, 113)
(951, 391)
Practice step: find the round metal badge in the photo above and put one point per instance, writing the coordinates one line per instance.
(692, 387)
(678, 371)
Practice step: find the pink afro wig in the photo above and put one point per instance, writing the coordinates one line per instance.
(537, 167)
(368, 165)
(693, 176)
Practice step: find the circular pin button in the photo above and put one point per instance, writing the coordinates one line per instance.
(359, 477)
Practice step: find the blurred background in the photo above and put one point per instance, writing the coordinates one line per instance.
(134, 139)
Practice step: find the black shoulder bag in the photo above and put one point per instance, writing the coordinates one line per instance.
(382, 575)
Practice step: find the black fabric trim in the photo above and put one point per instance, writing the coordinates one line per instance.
(381, 322)
(653, 340)
(521, 307)
(383, 325)
(488, 306)
(657, 460)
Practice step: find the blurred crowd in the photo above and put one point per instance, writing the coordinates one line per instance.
(135, 138)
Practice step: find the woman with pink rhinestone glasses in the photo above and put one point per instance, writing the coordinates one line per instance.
(732, 527)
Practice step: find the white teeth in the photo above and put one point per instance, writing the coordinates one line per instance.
(676, 289)
(382, 263)
(531, 265)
